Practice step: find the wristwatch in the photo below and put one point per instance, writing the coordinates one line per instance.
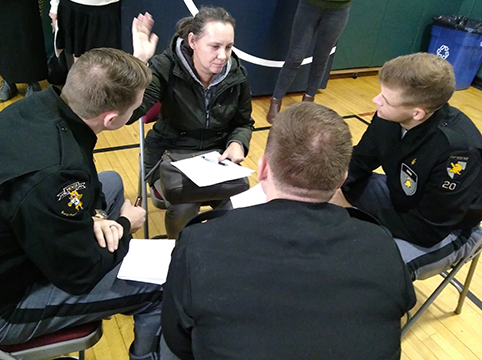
(100, 214)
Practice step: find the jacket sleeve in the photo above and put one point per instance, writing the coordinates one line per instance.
(177, 323)
(56, 232)
(242, 123)
(445, 202)
(364, 159)
(160, 66)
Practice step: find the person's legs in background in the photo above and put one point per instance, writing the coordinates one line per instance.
(304, 27)
(329, 30)
(8, 90)
(22, 57)
(306, 21)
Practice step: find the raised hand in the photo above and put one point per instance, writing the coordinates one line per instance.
(144, 41)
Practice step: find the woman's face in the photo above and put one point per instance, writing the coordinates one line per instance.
(212, 49)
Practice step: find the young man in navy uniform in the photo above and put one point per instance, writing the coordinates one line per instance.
(64, 229)
(430, 197)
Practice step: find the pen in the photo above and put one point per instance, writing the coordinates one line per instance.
(214, 161)
(138, 201)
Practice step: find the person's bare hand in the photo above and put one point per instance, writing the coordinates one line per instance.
(108, 233)
(339, 199)
(144, 42)
(233, 152)
(135, 214)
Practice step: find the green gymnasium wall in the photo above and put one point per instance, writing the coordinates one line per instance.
(379, 30)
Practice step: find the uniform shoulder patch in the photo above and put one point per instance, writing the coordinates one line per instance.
(71, 199)
(456, 165)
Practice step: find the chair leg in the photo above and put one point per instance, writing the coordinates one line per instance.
(142, 186)
(81, 355)
(142, 191)
(465, 290)
(432, 298)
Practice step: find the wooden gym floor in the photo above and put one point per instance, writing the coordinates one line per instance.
(439, 334)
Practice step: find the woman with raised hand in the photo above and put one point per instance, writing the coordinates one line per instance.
(204, 91)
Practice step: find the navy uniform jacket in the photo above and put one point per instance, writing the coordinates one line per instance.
(48, 192)
(286, 280)
(434, 174)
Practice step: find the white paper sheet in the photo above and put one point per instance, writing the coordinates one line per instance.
(250, 197)
(205, 170)
(56, 31)
(147, 260)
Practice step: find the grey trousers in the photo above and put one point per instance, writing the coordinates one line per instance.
(423, 262)
(311, 23)
(46, 309)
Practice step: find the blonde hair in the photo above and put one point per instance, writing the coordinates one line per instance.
(309, 148)
(426, 80)
(103, 80)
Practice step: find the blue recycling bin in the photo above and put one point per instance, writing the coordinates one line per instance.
(461, 48)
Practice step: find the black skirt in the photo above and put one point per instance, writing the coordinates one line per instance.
(22, 49)
(83, 27)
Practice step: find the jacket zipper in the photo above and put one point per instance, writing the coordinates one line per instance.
(208, 107)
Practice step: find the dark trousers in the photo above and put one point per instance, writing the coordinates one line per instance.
(311, 23)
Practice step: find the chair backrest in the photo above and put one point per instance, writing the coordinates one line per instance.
(152, 114)
(72, 339)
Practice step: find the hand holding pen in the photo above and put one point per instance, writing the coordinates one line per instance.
(214, 161)
(134, 213)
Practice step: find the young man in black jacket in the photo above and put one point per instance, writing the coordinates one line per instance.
(59, 254)
(430, 197)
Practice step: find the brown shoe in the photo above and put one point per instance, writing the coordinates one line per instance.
(274, 107)
(308, 98)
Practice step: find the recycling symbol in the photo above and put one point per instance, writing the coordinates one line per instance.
(443, 51)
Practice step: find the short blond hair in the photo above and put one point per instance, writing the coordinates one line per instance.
(309, 148)
(426, 80)
(102, 80)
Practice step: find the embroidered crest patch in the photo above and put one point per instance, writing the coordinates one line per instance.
(408, 180)
(456, 165)
(70, 199)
